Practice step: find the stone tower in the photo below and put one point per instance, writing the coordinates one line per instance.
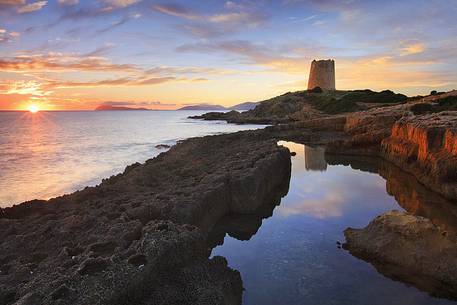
(322, 74)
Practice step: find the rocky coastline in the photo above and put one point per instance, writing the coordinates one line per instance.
(419, 138)
(113, 243)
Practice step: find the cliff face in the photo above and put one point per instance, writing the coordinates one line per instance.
(427, 147)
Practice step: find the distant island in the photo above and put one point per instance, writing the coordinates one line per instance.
(203, 106)
(109, 107)
(242, 107)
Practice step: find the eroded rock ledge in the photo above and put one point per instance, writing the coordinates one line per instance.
(114, 243)
(426, 146)
(410, 249)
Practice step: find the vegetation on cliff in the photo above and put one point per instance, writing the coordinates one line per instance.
(308, 104)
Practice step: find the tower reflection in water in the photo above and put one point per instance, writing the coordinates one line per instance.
(315, 158)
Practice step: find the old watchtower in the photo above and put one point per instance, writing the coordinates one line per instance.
(322, 74)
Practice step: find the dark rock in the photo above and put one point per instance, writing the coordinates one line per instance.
(103, 248)
(93, 266)
(31, 298)
(140, 236)
(61, 292)
(137, 260)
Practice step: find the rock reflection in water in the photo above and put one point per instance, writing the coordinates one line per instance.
(411, 195)
(416, 200)
(239, 226)
(288, 254)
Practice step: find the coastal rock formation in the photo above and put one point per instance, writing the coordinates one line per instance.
(308, 105)
(408, 248)
(322, 75)
(114, 243)
(426, 146)
(416, 198)
(366, 130)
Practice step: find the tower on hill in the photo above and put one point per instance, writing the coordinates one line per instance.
(322, 74)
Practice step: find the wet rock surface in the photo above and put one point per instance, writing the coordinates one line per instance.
(408, 248)
(140, 237)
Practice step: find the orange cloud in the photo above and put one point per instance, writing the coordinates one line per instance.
(60, 62)
(414, 48)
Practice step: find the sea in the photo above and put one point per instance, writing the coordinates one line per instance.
(49, 153)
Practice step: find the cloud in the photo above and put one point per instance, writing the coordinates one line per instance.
(29, 88)
(117, 24)
(58, 62)
(100, 50)
(414, 48)
(125, 82)
(256, 54)
(6, 36)
(176, 10)
(32, 7)
(68, 2)
(11, 2)
(120, 3)
(211, 25)
(387, 72)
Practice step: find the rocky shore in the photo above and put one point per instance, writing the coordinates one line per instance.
(408, 248)
(140, 236)
(419, 137)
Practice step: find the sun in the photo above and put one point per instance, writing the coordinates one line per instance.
(34, 108)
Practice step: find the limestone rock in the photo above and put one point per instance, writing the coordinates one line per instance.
(408, 248)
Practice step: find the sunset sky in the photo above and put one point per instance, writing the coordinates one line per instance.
(70, 54)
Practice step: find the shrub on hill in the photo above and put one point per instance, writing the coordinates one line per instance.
(448, 103)
(334, 106)
(368, 96)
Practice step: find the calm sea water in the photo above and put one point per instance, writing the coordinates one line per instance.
(293, 258)
(48, 154)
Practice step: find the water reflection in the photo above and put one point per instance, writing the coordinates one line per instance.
(292, 257)
(417, 200)
(315, 158)
(411, 195)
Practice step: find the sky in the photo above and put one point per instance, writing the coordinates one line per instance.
(77, 54)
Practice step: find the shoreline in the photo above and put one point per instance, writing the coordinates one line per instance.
(92, 242)
(111, 243)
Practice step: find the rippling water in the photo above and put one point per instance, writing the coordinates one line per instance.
(48, 154)
(290, 255)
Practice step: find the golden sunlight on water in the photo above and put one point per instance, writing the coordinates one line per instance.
(44, 154)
